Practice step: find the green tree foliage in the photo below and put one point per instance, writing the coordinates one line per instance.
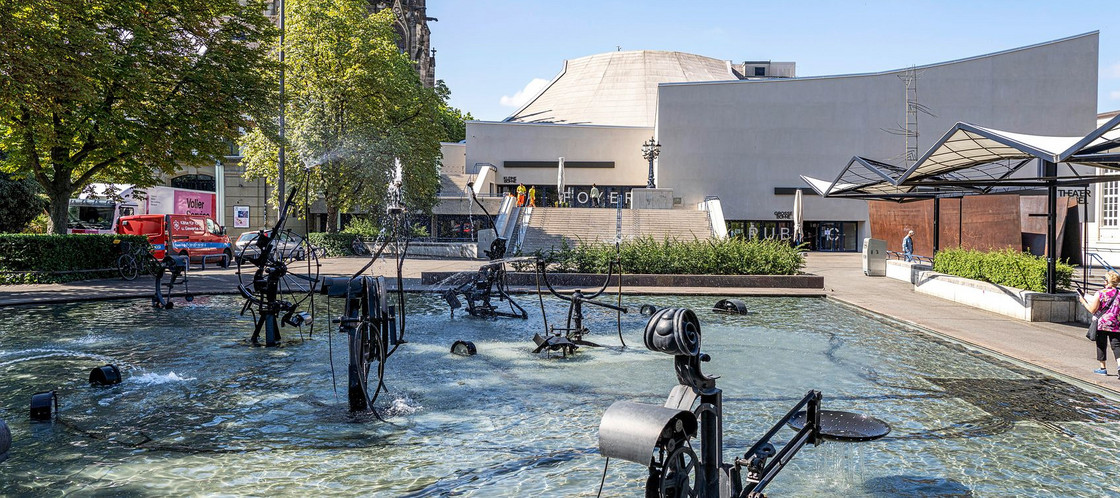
(354, 104)
(451, 119)
(122, 90)
(19, 203)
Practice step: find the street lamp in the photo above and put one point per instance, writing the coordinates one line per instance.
(650, 150)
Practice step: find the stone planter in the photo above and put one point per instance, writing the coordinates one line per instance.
(1022, 304)
(595, 280)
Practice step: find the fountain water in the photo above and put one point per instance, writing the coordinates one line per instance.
(217, 418)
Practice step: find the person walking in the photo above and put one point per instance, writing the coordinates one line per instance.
(908, 245)
(532, 196)
(594, 196)
(520, 194)
(1105, 303)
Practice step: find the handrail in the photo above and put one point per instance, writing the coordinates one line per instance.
(914, 257)
(1094, 257)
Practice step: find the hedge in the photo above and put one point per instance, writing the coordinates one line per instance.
(646, 255)
(1007, 267)
(332, 245)
(34, 258)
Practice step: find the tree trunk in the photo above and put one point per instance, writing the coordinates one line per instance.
(332, 218)
(59, 210)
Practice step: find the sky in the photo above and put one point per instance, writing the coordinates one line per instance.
(496, 54)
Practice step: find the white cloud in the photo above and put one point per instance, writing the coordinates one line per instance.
(1114, 95)
(520, 98)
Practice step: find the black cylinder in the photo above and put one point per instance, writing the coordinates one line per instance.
(41, 405)
(5, 440)
(674, 331)
(734, 306)
(105, 376)
(463, 348)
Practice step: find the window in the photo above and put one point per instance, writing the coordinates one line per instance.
(759, 71)
(1110, 204)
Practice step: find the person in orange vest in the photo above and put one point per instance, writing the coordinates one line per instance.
(533, 196)
(520, 194)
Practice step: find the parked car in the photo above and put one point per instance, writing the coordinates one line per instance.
(196, 237)
(289, 247)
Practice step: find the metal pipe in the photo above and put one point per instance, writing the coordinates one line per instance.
(1050, 171)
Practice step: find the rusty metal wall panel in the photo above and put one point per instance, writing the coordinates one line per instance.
(951, 223)
(890, 220)
(991, 222)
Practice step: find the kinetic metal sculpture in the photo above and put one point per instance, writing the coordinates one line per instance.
(489, 282)
(272, 287)
(175, 268)
(368, 320)
(660, 436)
(570, 337)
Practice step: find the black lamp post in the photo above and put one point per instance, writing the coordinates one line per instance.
(650, 150)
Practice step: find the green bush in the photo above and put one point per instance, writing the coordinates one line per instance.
(333, 245)
(1007, 267)
(33, 259)
(697, 257)
(365, 226)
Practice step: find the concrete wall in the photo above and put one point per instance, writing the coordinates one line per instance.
(454, 157)
(494, 143)
(739, 140)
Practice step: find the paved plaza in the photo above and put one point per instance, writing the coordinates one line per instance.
(1058, 349)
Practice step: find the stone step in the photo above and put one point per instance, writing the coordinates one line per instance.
(550, 227)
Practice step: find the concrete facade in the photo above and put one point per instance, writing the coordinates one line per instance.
(741, 140)
(492, 143)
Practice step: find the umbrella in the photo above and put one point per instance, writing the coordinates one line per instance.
(560, 182)
(798, 232)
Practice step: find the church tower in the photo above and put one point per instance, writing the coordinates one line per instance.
(413, 36)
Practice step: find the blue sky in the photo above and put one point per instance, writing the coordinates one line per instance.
(494, 53)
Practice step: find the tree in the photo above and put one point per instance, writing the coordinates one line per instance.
(451, 119)
(19, 203)
(354, 104)
(123, 90)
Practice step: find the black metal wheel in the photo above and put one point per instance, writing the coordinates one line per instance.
(273, 285)
(127, 266)
(680, 474)
(360, 352)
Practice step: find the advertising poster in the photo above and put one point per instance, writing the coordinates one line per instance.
(241, 216)
(199, 203)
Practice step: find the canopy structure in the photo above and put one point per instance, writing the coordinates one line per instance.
(971, 159)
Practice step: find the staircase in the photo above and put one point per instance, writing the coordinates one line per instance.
(548, 227)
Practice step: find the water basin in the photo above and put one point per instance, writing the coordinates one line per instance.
(201, 413)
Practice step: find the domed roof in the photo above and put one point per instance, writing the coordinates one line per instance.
(617, 88)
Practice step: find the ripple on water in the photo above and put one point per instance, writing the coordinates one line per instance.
(200, 413)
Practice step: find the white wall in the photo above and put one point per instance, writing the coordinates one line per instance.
(454, 157)
(496, 142)
(740, 140)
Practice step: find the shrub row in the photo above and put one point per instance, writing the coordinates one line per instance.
(697, 257)
(1007, 267)
(33, 259)
(333, 245)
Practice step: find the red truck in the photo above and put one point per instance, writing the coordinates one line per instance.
(193, 236)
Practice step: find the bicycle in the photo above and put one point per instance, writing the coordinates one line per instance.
(133, 260)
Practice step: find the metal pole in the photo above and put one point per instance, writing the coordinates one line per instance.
(936, 225)
(280, 176)
(1050, 171)
(1085, 238)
